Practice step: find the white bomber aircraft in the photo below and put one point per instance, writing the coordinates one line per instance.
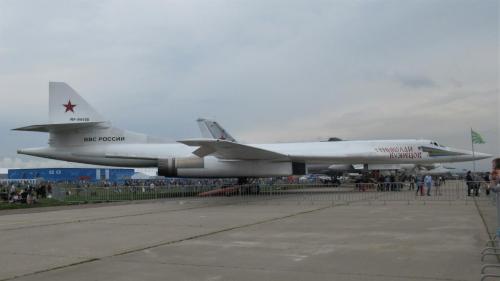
(77, 133)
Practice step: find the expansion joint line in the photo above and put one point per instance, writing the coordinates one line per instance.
(170, 242)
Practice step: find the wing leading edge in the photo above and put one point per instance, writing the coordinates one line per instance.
(232, 151)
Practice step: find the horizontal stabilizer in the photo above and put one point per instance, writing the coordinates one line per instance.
(232, 151)
(57, 127)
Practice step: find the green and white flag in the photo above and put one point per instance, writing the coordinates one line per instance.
(476, 137)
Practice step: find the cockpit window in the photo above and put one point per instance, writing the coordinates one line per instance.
(436, 144)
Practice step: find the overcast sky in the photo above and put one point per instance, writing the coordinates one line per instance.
(266, 70)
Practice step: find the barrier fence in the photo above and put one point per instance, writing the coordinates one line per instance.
(453, 190)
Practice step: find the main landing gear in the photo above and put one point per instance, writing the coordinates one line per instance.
(247, 187)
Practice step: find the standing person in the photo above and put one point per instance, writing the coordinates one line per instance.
(428, 184)
(12, 192)
(387, 183)
(470, 182)
(49, 190)
(487, 180)
(437, 185)
(418, 183)
(476, 184)
(381, 183)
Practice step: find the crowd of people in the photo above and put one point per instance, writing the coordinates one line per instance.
(425, 184)
(27, 192)
(475, 181)
(30, 192)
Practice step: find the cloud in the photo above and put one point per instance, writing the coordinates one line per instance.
(414, 116)
(415, 81)
(268, 71)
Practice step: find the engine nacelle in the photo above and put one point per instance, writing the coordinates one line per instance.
(169, 167)
(211, 167)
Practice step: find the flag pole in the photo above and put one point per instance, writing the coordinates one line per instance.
(473, 153)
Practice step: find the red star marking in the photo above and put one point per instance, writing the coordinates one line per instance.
(69, 106)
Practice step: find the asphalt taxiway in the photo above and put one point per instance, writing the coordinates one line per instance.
(234, 239)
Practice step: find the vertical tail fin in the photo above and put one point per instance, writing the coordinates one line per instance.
(212, 129)
(67, 106)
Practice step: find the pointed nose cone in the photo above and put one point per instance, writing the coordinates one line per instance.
(479, 155)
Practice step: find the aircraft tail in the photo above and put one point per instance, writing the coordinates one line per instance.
(73, 122)
(212, 129)
(67, 106)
